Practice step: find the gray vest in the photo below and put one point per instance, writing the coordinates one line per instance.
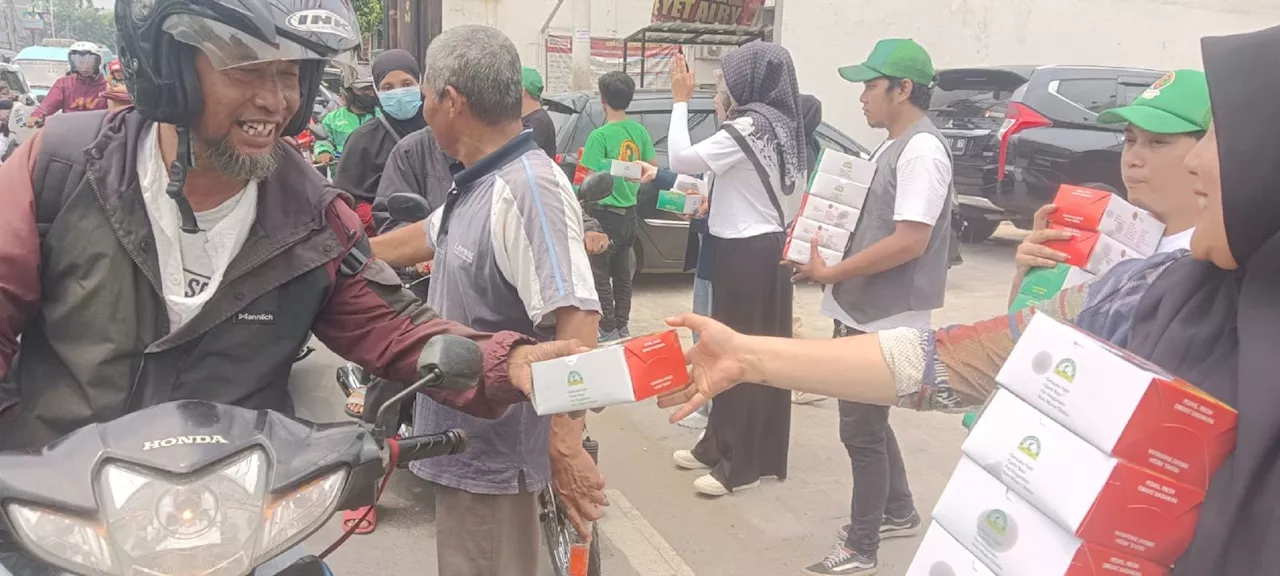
(468, 287)
(917, 285)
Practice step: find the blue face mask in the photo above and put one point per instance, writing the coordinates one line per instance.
(401, 103)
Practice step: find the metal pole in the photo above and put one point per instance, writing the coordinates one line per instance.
(582, 77)
(644, 55)
(777, 22)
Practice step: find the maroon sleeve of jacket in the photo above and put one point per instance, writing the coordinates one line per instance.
(19, 250)
(55, 100)
(370, 319)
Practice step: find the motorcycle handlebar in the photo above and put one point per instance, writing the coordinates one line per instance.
(444, 443)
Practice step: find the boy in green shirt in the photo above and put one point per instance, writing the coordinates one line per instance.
(626, 140)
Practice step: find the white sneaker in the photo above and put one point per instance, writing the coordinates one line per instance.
(806, 398)
(685, 459)
(711, 487)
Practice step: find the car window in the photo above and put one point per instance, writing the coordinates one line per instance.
(13, 79)
(1130, 92)
(657, 123)
(1094, 95)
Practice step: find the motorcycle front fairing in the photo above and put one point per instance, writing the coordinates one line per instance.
(184, 488)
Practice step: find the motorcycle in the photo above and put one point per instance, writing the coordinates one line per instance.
(193, 487)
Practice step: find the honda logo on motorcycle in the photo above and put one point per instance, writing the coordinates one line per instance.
(180, 440)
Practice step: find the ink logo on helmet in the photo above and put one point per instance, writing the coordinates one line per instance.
(1030, 446)
(321, 22)
(1160, 84)
(575, 379)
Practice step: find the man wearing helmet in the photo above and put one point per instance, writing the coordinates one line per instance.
(173, 250)
(362, 106)
(79, 91)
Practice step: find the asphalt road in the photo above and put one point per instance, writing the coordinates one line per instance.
(657, 525)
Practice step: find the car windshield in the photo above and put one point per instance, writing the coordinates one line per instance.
(42, 73)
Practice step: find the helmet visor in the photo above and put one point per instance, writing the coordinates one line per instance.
(228, 47)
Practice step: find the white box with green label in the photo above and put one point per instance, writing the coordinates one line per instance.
(940, 554)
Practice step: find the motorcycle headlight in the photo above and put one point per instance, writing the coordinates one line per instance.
(215, 523)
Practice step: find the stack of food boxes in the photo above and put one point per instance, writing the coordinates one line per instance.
(1105, 229)
(685, 197)
(831, 208)
(1087, 462)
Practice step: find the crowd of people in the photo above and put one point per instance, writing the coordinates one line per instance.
(168, 251)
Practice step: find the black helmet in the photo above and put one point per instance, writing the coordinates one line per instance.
(158, 39)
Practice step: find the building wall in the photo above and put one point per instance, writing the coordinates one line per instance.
(825, 34)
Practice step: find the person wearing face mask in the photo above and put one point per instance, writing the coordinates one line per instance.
(362, 106)
(1209, 315)
(395, 77)
(1164, 125)
(79, 91)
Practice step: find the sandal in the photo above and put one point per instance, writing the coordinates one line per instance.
(363, 525)
(355, 404)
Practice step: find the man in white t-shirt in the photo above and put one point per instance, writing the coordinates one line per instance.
(1164, 124)
(893, 276)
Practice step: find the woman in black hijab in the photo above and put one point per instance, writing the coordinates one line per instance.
(395, 76)
(1211, 316)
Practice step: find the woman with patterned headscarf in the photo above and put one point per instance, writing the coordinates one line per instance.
(760, 163)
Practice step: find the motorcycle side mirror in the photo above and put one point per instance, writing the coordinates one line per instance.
(596, 187)
(406, 207)
(28, 100)
(319, 132)
(447, 362)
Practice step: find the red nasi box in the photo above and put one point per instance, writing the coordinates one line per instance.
(1119, 403)
(1093, 252)
(1097, 497)
(618, 373)
(1014, 538)
(1100, 211)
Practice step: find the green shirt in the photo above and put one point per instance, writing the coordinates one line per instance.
(625, 140)
(340, 124)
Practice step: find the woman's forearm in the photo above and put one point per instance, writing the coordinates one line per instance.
(852, 369)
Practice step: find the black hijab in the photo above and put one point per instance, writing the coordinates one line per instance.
(392, 61)
(762, 80)
(1220, 329)
(364, 157)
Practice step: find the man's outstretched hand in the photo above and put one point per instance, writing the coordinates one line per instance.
(520, 363)
(579, 485)
(716, 364)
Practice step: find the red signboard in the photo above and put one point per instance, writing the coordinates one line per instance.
(740, 12)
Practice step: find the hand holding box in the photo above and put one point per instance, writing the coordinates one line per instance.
(619, 373)
(1102, 211)
(800, 252)
(626, 170)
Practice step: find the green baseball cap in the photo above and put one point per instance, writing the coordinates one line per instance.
(532, 81)
(897, 58)
(1178, 103)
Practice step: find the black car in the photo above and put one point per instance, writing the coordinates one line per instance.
(1017, 133)
(661, 239)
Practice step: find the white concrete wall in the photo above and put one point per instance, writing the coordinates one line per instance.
(826, 34)
(521, 20)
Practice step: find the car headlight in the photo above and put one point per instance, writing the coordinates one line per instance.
(214, 523)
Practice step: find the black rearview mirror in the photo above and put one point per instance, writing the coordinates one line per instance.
(407, 208)
(596, 187)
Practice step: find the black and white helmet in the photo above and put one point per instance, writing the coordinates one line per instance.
(157, 40)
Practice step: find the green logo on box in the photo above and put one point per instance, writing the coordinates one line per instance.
(1066, 369)
(1030, 446)
(576, 379)
(998, 522)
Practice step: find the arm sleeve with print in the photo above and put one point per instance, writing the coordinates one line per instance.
(924, 180)
(538, 242)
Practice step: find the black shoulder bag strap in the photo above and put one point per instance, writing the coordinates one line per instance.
(392, 129)
(760, 171)
(60, 162)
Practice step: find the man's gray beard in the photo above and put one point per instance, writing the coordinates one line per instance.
(227, 160)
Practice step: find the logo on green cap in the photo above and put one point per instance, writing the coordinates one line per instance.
(1160, 84)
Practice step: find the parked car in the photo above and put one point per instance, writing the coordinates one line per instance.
(1017, 133)
(661, 237)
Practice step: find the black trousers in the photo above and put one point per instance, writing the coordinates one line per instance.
(879, 474)
(615, 269)
(749, 431)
